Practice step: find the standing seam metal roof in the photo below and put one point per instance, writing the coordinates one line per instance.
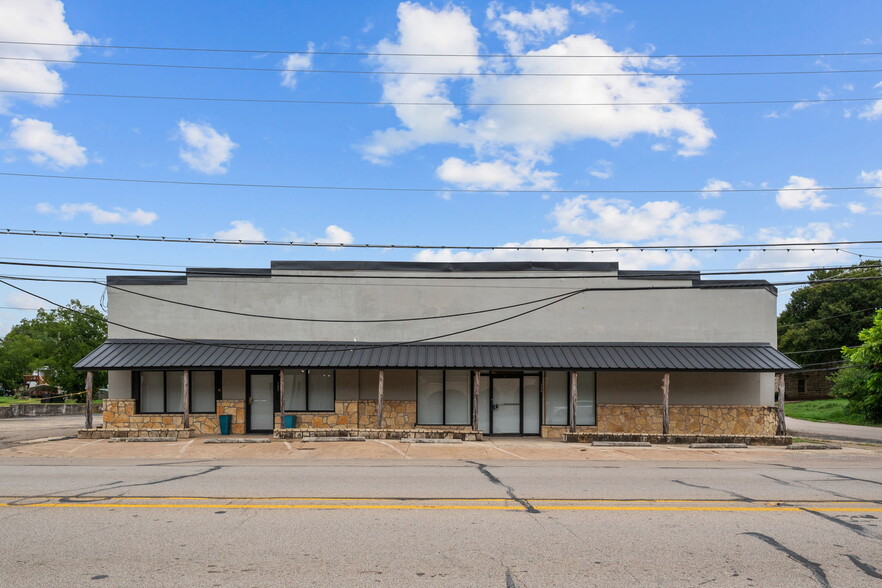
(125, 354)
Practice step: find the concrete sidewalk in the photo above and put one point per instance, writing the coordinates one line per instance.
(835, 431)
(517, 449)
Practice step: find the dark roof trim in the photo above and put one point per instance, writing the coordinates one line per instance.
(429, 266)
(147, 280)
(229, 272)
(659, 275)
(211, 354)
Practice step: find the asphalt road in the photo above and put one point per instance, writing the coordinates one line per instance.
(15, 430)
(793, 519)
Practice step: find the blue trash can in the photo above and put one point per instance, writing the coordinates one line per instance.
(226, 423)
(290, 421)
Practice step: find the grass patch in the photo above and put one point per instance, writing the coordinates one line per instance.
(834, 410)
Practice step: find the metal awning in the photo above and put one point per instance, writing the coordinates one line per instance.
(132, 354)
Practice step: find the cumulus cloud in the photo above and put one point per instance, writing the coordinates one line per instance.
(802, 193)
(25, 301)
(518, 29)
(98, 215)
(45, 145)
(628, 259)
(333, 235)
(600, 10)
(856, 208)
(796, 257)
(713, 187)
(242, 230)
(205, 150)
(524, 135)
(873, 178)
(602, 169)
(296, 61)
(496, 174)
(41, 20)
(658, 221)
(872, 112)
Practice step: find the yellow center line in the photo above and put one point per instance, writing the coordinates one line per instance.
(441, 507)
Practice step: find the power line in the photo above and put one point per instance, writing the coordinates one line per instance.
(377, 53)
(827, 318)
(440, 189)
(221, 272)
(464, 104)
(629, 74)
(805, 246)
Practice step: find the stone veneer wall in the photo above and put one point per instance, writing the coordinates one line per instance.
(361, 414)
(684, 419)
(119, 413)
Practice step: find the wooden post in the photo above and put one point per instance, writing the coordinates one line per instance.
(282, 398)
(380, 401)
(476, 387)
(666, 409)
(574, 401)
(89, 381)
(186, 398)
(782, 424)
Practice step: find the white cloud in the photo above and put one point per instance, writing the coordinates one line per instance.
(517, 29)
(601, 10)
(242, 230)
(856, 208)
(207, 150)
(493, 174)
(41, 20)
(802, 193)
(296, 61)
(602, 169)
(873, 178)
(629, 259)
(872, 112)
(796, 257)
(335, 234)
(522, 135)
(99, 216)
(713, 188)
(45, 145)
(659, 221)
(25, 301)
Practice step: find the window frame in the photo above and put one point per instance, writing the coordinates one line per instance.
(578, 424)
(444, 423)
(308, 409)
(136, 390)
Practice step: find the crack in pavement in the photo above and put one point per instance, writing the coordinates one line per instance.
(864, 567)
(859, 529)
(729, 492)
(509, 490)
(814, 567)
(843, 477)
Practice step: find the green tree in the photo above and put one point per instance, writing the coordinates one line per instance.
(861, 380)
(56, 339)
(830, 315)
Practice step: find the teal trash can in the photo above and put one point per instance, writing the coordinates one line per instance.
(290, 421)
(226, 423)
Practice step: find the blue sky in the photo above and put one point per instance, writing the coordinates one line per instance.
(546, 148)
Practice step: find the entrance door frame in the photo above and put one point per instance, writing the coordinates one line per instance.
(248, 374)
(514, 376)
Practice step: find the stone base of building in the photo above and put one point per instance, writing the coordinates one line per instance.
(461, 434)
(677, 439)
(117, 433)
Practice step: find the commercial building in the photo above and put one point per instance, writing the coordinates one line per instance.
(422, 349)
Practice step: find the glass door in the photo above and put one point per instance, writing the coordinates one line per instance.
(505, 404)
(261, 401)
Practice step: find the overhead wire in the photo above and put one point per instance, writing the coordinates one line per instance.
(826, 318)
(438, 189)
(445, 103)
(619, 74)
(804, 246)
(412, 54)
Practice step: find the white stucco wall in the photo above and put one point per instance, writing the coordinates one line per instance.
(689, 315)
